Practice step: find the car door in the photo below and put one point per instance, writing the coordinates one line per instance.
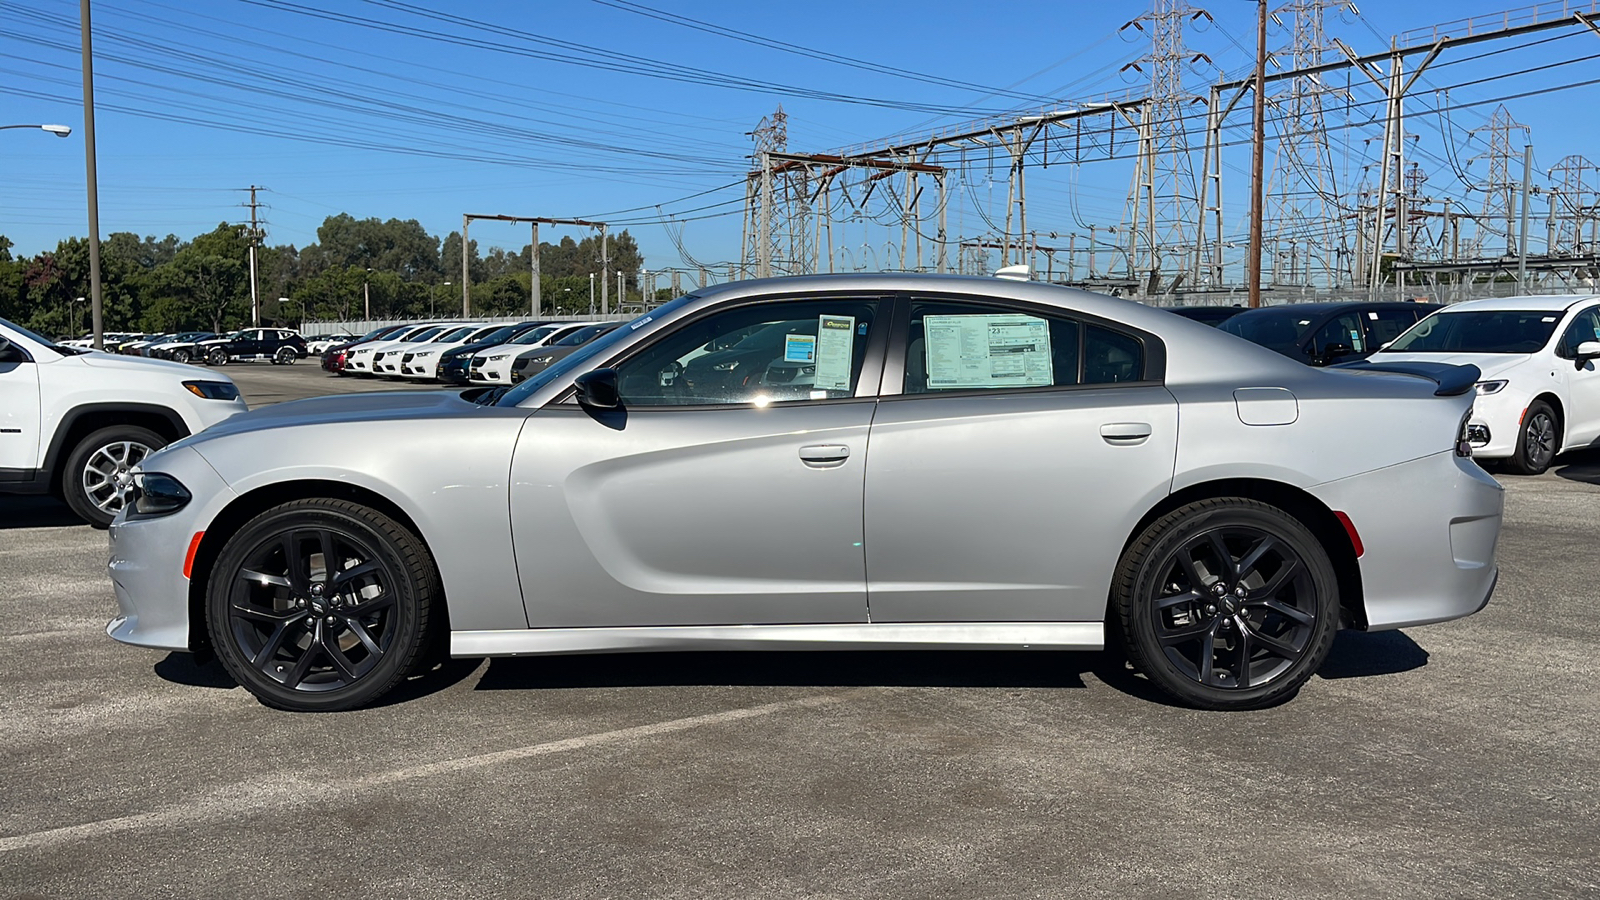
(19, 410)
(726, 500)
(1013, 452)
(1341, 337)
(1582, 381)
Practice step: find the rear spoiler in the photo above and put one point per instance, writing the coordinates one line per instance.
(1450, 380)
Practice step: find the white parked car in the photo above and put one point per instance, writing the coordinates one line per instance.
(1540, 389)
(361, 359)
(423, 362)
(493, 366)
(76, 423)
(316, 346)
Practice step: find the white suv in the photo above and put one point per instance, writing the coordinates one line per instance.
(1539, 393)
(75, 422)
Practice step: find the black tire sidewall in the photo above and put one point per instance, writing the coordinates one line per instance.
(1520, 464)
(217, 358)
(72, 476)
(1145, 558)
(284, 356)
(375, 530)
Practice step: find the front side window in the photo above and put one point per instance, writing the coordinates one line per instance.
(965, 347)
(764, 353)
(1343, 329)
(1584, 328)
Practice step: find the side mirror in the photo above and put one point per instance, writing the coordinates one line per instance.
(598, 389)
(1334, 351)
(1586, 351)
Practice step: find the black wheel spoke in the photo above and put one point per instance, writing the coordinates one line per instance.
(302, 666)
(365, 637)
(1289, 569)
(1289, 612)
(369, 606)
(356, 571)
(1241, 668)
(330, 557)
(1276, 646)
(1192, 596)
(1248, 563)
(1208, 655)
(1230, 568)
(1186, 560)
(259, 614)
(294, 563)
(330, 649)
(270, 648)
(1170, 636)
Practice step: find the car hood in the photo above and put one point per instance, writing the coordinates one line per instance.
(1490, 364)
(339, 408)
(143, 364)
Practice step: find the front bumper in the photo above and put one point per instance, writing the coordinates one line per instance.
(1501, 415)
(1429, 528)
(147, 556)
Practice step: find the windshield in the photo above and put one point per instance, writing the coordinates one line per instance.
(584, 335)
(1488, 331)
(39, 339)
(578, 360)
(1278, 329)
(537, 334)
(425, 334)
(455, 335)
(492, 334)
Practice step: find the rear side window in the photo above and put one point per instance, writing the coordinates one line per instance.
(1384, 325)
(966, 347)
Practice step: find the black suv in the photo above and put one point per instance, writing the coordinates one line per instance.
(1320, 334)
(279, 345)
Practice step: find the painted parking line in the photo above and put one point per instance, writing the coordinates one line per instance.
(279, 794)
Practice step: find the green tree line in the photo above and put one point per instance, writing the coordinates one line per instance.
(168, 284)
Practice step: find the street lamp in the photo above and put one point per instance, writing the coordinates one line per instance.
(566, 302)
(591, 294)
(57, 130)
(431, 299)
(283, 300)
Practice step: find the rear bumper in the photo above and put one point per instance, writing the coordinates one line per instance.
(1429, 528)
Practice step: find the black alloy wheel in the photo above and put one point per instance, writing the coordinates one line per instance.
(180, 355)
(284, 357)
(321, 605)
(217, 357)
(1538, 441)
(1227, 604)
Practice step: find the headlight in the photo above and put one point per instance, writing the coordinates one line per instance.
(543, 360)
(1486, 388)
(498, 356)
(213, 390)
(424, 353)
(156, 494)
(725, 367)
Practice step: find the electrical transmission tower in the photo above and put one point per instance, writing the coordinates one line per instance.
(1575, 207)
(777, 206)
(1500, 187)
(1163, 204)
(1306, 205)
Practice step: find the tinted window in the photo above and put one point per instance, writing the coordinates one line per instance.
(760, 354)
(585, 334)
(1384, 325)
(1504, 331)
(456, 334)
(426, 334)
(1278, 329)
(537, 334)
(1344, 329)
(964, 347)
(1586, 327)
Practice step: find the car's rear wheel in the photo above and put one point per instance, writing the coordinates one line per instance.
(180, 356)
(98, 480)
(217, 357)
(1226, 603)
(322, 605)
(1538, 440)
(285, 356)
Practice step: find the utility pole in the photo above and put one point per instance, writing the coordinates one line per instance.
(605, 272)
(1522, 243)
(255, 237)
(466, 277)
(98, 318)
(1258, 153)
(533, 251)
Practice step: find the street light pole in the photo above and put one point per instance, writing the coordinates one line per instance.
(1258, 154)
(90, 176)
(591, 293)
(57, 130)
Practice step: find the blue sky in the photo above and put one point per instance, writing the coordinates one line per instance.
(421, 109)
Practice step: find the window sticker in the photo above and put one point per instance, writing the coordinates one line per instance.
(800, 348)
(982, 351)
(835, 352)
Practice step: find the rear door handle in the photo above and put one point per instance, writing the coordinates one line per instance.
(823, 456)
(1125, 432)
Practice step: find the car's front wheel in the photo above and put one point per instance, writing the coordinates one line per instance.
(322, 605)
(1226, 603)
(180, 356)
(1538, 440)
(98, 480)
(217, 357)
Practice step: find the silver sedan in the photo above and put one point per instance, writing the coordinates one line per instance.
(843, 462)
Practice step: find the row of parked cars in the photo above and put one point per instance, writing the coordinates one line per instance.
(461, 353)
(280, 346)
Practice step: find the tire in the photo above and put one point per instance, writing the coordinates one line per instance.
(217, 357)
(285, 356)
(96, 481)
(180, 356)
(298, 645)
(1215, 637)
(1538, 440)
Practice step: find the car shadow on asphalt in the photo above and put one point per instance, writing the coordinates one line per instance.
(1364, 654)
(37, 512)
(1579, 465)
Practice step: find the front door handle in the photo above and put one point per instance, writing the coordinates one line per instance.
(823, 456)
(1120, 433)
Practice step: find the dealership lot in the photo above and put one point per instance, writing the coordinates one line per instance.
(1451, 760)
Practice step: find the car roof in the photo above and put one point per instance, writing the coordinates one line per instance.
(1547, 302)
(1318, 309)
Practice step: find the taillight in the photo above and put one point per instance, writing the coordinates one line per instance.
(1464, 438)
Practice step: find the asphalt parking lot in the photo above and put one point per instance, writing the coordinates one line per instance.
(1454, 760)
